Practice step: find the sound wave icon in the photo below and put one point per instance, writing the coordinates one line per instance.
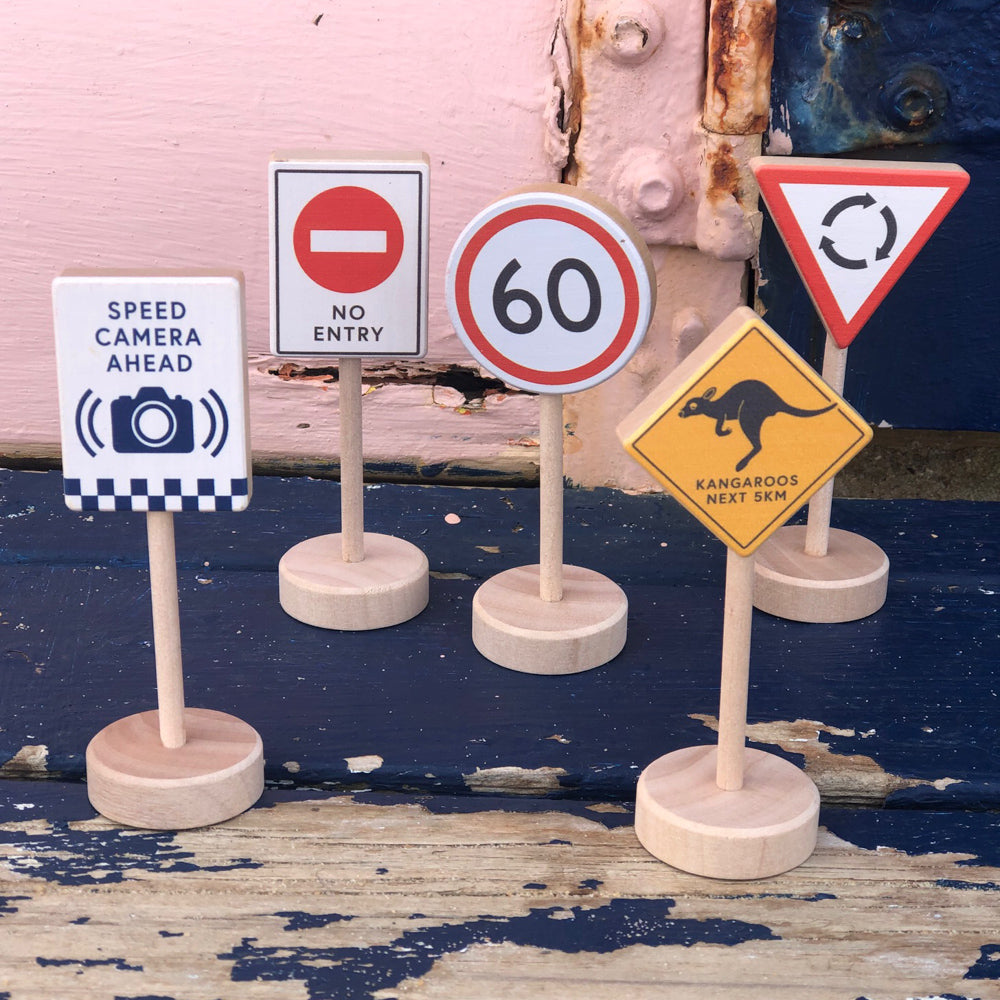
(220, 424)
(80, 427)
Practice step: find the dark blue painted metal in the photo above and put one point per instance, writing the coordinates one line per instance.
(918, 81)
(859, 74)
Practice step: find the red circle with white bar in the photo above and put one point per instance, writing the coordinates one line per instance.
(348, 239)
(549, 292)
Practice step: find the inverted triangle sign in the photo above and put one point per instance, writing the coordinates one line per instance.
(853, 227)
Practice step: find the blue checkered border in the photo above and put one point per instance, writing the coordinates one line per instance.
(174, 495)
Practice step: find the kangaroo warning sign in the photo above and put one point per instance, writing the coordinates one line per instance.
(853, 227)
(152, 390)
(349, 239)
(743, 432)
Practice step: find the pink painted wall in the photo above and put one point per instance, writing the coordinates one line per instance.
(138, 134)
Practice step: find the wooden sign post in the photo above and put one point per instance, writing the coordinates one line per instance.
(552, 290)
(742, 434)
(152, 390)
(349, 240)
(852, 228)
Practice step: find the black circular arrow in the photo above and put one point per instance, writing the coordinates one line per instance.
(827, 246)
(890, 234)
(862, 201)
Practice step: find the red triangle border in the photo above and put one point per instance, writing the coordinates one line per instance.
(772, 172)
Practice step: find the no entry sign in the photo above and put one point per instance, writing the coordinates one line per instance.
(349, 256)
(550, 290)
(152, 390)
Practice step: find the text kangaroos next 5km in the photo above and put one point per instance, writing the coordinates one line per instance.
(750, 402)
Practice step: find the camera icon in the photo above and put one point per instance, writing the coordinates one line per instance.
(150, 421)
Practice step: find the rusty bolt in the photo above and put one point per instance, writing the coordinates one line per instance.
(632, 31)
(649, 185)
(915, 98)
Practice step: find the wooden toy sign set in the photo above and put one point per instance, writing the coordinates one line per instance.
(852, 228)
(152, 401)
(349, 244)
(552, 290)
(741, 433)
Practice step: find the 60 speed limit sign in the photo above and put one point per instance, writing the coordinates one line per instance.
(551, 291)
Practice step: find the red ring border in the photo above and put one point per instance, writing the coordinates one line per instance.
(504, 365)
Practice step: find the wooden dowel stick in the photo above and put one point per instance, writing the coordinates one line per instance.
(551, 497)
(166, 627)
(818, 521)
(735, 670)
(352, 467)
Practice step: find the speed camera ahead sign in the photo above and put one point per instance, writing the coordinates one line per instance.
(152, 390)
(349, 240)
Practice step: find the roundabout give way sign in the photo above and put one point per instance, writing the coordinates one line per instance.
(349, 240)
(852, 227)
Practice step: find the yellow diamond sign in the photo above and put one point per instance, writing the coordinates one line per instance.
(743, 432)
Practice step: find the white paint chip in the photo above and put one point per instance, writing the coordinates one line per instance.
(292, 765)
(514, 780)
(30, 759)
(452, 519)
(364, 764)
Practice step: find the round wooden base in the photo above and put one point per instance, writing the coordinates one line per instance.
(133, 779)
(514, 627)
(389, 586)
(767, 827)
(848, 583)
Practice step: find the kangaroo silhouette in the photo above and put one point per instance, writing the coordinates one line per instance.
(750, 402)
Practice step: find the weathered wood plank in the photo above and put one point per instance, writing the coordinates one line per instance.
(320, 896)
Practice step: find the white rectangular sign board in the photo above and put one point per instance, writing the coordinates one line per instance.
(349, 240)
(152, 390)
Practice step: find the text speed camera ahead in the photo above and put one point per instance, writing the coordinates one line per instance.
(349, 241)
(152, 390)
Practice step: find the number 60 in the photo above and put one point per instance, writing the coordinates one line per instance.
(504, 297)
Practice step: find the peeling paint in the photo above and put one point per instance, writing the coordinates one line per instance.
(608, 807)
(571, 34)
(468, 385)
(367, 971)
(514, 780)
(29, 762)
(729, 220)
(364, 764)
(842, 779)
(740, 56)
(93, 852)
(560, 112)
